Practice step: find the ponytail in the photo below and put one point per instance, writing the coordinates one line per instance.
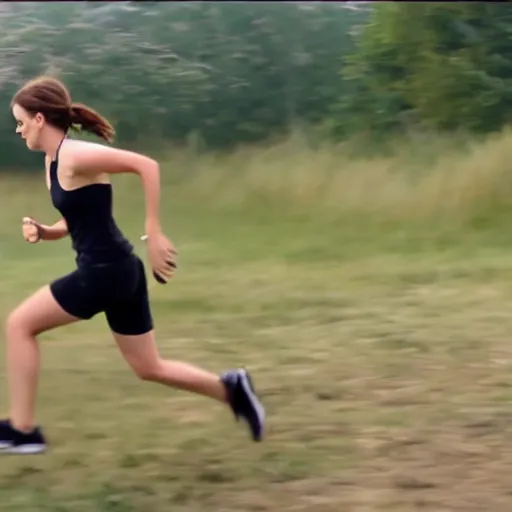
(92, 122)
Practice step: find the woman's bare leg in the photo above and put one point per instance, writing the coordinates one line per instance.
(142, 355)
(39, 313)
(234, 387)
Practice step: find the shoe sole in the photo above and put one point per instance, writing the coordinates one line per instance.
(24, 449)
(246, 382)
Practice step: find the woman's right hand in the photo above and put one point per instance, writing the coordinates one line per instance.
(31, 230)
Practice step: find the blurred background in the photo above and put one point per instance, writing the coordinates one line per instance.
(337, 180)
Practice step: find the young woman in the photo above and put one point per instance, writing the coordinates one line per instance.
(109, 277)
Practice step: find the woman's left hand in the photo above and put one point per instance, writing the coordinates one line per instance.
(162, 256)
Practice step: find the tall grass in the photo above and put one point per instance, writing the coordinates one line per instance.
(448, 179)
(422, 177)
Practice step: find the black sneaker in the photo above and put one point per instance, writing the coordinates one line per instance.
(244, 402)
(14, 441)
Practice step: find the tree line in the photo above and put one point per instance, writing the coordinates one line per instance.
(222, 74)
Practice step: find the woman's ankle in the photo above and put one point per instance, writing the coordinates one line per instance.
(24, 427)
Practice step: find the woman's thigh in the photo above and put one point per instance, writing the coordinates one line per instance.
(38, 313)
(139, 351)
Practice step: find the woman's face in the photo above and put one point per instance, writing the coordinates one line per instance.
(28, 126)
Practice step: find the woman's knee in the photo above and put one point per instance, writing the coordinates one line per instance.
(141, 354)
(146, 370)
(37, 314)
(18, 324)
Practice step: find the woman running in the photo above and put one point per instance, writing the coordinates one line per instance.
(109, 277)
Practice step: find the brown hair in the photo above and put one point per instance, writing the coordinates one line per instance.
(51, 98)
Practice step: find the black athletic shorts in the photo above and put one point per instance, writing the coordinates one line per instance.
(119, 290)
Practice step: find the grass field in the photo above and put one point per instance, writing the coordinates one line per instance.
(371, 303)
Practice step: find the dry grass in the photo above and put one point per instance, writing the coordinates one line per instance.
(420, 178)
(380, 343)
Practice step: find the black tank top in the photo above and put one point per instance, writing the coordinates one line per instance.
(87, 210)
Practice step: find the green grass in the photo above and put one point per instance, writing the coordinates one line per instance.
(374, 310)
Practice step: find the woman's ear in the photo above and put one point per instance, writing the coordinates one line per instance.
(39, 118)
